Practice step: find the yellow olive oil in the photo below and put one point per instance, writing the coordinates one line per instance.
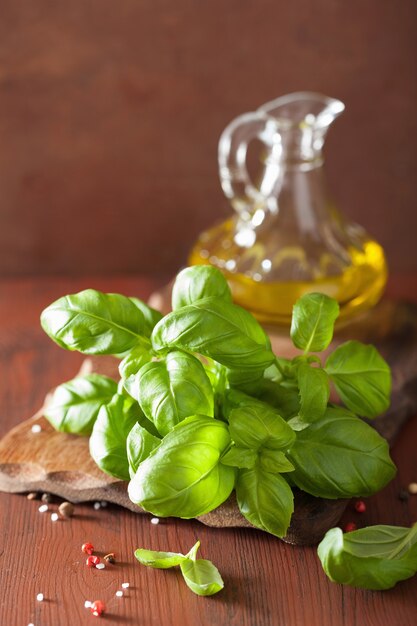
(357, 287)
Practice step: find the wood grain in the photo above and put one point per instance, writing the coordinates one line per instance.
(267, 583)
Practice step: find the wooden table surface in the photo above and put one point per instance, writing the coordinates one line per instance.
(266, 581)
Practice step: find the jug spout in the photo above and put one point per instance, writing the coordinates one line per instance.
(302, 120)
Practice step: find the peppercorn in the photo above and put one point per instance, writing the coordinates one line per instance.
(46, 497)
(97, 608)
(360, 506)
(92, 561)
(349, 527)
(87, 548)
(403, 495)
(412, 488)
(66, 509)
(110, 558)
(32, 495)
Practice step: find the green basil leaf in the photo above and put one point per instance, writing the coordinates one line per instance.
(201, 576)
(340, 456)
(314, 388)
(151, 316)
(265, 500)
(274, 461)
(198, 282)
(313, 319)
(140, 444)
(159, 560)
(240, 457)
(283, 397)
(183, 477)
(362, 378)
(131, 364)
(217, 329)
(170, 390)
(108, 439)
(74, 405)
(94, 323)
(376, 557)
(255, 426)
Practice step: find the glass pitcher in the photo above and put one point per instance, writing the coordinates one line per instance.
(286, 238)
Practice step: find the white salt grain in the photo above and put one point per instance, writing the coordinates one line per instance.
(87, 604)
(39, 597)
(36, 428)
(103, 503)
(97, 506)
(54, 517)
(43, 508)
(119, 594)
(155, 520)
(100, 566)
(125, 585)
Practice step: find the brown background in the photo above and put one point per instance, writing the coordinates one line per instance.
(111, 110)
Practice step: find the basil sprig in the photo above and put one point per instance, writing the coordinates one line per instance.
(205, 407)
(200, 575)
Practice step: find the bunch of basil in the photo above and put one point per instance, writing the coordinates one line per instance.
(204, 406)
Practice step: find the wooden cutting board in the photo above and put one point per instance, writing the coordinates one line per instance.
(59, 463)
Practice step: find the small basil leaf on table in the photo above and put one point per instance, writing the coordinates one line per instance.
(314, 389)
(201, 576)
(159, 560)
(151, 316)
(265, 500)
(376, 557)
(139, 444)
(94, 323)
(172, 389)
(183, 476)
(108, 439)
(362, 378)
(312, 323)
(217, 329)
(240, 457)
(74, 405)
(198, 282)
(340, 456)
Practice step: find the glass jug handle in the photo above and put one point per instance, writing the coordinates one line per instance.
(236, 182)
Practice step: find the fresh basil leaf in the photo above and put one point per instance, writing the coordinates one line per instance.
(140, 444)
(255, 426)
(362, 378)
(183, 476)
(265, 500)
(240, 457)
(108, 439)
(151, 316)
(201, 576)
(94, 323)
(376, 557)
(283, 397)
(217, 329)
(170, 390)
(312, 322)
(274, 461)
(74, 405)
(340, 456)
(130, 366)
(314, 389)
(198, 282)
(159, 560)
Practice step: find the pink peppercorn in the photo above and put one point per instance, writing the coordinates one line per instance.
(92, 561)
(87, 548)
(349, 527)
(97, 608)
(360, 506)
